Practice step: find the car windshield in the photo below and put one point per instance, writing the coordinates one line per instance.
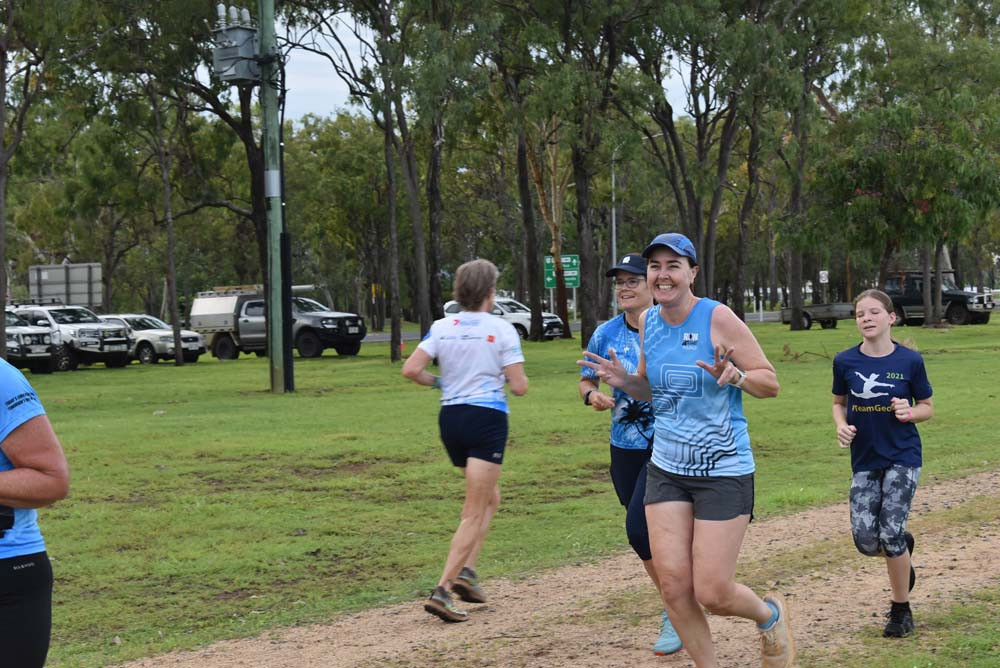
(948, 284)
(14, 320)
(73, 316)
(304, 305)
(514, 307)
(144, 322)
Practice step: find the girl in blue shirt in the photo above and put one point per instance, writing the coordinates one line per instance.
(880, 390)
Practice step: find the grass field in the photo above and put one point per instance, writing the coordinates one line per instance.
(205, 507)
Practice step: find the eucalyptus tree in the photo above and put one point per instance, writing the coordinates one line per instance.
(38, 43)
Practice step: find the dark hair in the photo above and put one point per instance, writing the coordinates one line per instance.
(474, 281)
(878, 296)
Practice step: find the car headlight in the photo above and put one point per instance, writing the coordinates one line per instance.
(166, 339)
(46, 338)
(328, 322)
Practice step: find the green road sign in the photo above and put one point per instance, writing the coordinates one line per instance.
(571, 271)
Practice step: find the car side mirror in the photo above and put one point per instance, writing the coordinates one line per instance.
(41, 323)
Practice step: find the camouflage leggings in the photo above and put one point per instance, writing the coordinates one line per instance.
(880, 504)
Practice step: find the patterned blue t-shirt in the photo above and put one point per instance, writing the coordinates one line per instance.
(18, 404)
(870, 383)
(631, 420)
(700, 426)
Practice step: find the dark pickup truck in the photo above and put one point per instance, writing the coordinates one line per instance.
(960, 306)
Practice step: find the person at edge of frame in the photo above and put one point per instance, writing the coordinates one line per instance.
(697, 361)
(631, 438)
(477, 353)
(874, 384)
(33, 474)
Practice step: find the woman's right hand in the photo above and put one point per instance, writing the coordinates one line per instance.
(610, 371)
(845, 434)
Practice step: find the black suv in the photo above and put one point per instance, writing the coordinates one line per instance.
(960, 306)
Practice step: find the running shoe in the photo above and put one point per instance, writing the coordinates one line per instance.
(777, 647)
(466, 585)
(899, 622)
(440, 604)
(668, 642)
(908, 537)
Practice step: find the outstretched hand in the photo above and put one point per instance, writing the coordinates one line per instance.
(723, 370)
(610, 370)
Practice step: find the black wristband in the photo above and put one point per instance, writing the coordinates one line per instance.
(586, 397)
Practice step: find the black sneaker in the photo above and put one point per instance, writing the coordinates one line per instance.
(440, 604)
(908, 537)
(466, 585)
(900, 622)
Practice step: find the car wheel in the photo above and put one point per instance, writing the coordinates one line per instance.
(521, 331)
(828, 324)
(957, 314)
(48, 366)
(348, 349)
(308, 344)
(66, 359)
(225, 348)
(146, 354)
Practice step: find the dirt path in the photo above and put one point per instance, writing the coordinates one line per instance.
(605, 614)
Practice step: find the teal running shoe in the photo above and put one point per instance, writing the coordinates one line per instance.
(669, 642)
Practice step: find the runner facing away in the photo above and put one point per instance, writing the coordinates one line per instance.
(477, 353)
(698, 360)
(880, 390)
(631, 420)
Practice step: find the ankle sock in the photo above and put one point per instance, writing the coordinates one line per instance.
(774, 617)
(900, 606)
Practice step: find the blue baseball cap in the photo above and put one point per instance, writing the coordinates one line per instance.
(632, 263)
(676, 242)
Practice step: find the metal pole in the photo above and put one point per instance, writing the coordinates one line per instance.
(272, 193)
(614, 230)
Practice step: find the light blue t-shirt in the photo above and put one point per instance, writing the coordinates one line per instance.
(700, 427)
(18, 404)
(631, 420)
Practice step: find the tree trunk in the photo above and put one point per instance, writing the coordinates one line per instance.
(396, 337)
(928, 295)
(586, 306)
(435, 215)
(411, 177)
(531, 259)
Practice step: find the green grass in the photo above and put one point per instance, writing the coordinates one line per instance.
(204, 507)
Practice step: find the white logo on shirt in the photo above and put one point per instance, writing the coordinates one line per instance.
(870, 382)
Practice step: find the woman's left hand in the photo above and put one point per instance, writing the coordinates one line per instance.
(723, 370)
(902, 409)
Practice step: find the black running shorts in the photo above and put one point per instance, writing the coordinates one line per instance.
(473, 431)
(714, 498)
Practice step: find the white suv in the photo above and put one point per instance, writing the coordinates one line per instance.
(153, 339)
(82, 337)
(518, 315)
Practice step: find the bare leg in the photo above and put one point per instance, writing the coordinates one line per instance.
(485, 528)
(671, 532)
(481, 490)
(651, 570)
(899, 576)
(715, 549)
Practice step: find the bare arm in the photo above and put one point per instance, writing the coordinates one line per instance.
(40, 475)
(737, 349)
(845, 432)
(599, 401)
(415, 368)
(516, 378)
(612, 372)
(919, 412)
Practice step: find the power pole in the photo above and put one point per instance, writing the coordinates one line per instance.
(280, 381)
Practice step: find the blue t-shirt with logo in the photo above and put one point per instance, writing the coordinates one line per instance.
(870, 383)
(700, 426)
(18, 404)
(631, 420)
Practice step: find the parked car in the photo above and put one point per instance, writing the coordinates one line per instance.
(29, 347)
(826, 315)
(153, 339)
(82, 337)
(233, 321)
(960, 306)
(518, 315)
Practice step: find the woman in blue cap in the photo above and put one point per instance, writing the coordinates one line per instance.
(631, 420)
(33, 473)
(697, 360)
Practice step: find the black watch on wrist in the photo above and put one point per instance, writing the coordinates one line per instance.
(586, 397)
